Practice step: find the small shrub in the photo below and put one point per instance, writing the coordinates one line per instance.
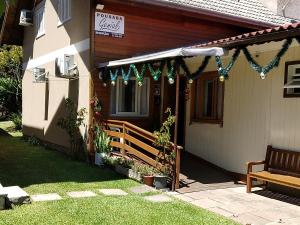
(17, 120)
(33, 140)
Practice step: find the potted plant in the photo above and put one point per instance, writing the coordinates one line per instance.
(102, 145)
(162, 141)
(148, 173)
(123, 166)
(135, 172)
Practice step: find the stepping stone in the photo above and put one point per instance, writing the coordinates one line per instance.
(158, 198)
(142, 189)
(81, 194)
(16, 195)
(46, 197)
(117, 192)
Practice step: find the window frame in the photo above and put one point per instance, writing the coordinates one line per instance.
(40, 8)
(197, 94)
(60, 11)
(137, 112)
(286, 76)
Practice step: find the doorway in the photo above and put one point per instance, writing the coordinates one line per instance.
(170, 101)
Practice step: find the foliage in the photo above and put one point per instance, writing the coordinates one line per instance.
(16, 118)
(97, 105)
(3, 4)
(33, 140)
(101, 140)
(11, 78)
(143, 169)
(111, 161)
(71, 124)
(163, 140)
(125, 162)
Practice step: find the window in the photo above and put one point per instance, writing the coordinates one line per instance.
(130, 99)
(292, 79)
(40, 20)
(64, 11)
(207, 99)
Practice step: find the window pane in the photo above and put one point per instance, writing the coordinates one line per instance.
(208, 98)
(144, 97)
(126, 98)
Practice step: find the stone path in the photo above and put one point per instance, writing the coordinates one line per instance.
(116, 192)
(46, 197)
(254, 208)
(16, 195)
(142, 189)
(81, 194)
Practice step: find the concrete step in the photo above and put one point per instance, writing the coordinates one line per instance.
(16, 196)
(3, 196)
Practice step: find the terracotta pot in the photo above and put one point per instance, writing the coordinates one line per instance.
(148, 180)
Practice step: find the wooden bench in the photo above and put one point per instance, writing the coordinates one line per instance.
(280, 167)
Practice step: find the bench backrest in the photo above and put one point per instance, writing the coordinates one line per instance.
(282, 161)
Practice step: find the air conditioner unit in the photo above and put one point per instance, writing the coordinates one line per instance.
(39, 75)
(26, 17)
(66, 66)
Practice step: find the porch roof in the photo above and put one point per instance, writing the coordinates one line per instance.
(185, 52)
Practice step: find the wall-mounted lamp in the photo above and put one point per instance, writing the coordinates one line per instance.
(99, 7)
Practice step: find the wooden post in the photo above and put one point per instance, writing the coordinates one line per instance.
(124, 142)
(177, 151)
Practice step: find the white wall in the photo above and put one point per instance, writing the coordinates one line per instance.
(70, 38)
(255, 115)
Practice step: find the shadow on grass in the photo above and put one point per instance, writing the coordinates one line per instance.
(23, 164)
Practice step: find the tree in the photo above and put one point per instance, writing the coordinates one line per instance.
(11, 79)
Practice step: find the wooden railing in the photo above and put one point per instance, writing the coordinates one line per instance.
(138, 143)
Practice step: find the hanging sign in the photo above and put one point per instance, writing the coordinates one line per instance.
(109, 24)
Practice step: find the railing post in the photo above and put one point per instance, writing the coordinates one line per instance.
(178, 159)
(124, 141)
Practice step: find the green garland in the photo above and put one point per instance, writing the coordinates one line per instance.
(113, 75)
(198, 72)
(224, 71)
(272, 64)
(156, 73)
(126, 76)
(174, 64)
(139, 76)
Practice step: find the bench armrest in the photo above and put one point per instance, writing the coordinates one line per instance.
(251, 164)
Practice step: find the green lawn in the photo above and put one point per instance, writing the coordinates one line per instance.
(41, 171)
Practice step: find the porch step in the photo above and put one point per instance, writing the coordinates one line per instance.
(3, 195)
(16, 196)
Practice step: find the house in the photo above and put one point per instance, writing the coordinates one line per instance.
(69, 40)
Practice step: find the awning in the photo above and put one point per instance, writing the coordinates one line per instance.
(188, 52)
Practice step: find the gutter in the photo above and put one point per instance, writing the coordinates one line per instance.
(252, 23)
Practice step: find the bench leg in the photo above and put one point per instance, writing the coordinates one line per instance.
(249, 183)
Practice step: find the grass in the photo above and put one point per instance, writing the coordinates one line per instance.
(38, 170)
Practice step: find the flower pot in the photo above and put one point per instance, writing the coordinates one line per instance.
(122, 170)
(160, 181)
(148, 180)
(99, 158)
(135, 175)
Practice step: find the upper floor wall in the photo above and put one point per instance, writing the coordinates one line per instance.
(69, 36)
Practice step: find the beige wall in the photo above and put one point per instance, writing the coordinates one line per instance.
(255, 115)
(70, 38)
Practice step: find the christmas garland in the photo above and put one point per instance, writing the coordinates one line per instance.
(174, 64)
(224, 71)
(263, 71)
(198, 72)
(156, 73)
